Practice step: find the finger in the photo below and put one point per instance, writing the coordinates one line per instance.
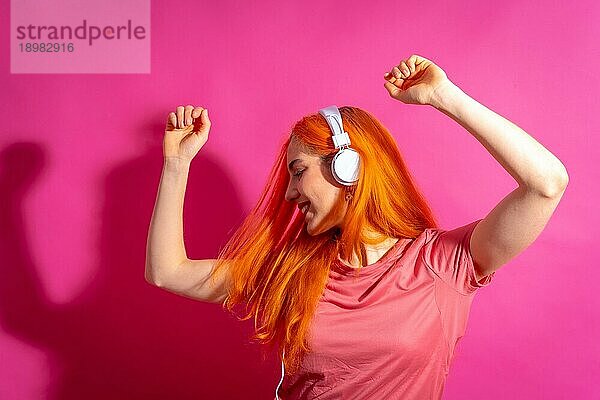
(394, 81)
(404, 69)
(196, 112)
(392, 90)
(411, 63)
(397, 74)
(171, 121)
(180, 110)
(419, 59)
(202, 125)
(390, 76)
(188, 114)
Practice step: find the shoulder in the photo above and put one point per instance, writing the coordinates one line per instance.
(447, 253)
(455, 235)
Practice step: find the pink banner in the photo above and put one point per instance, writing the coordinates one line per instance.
(63, 36)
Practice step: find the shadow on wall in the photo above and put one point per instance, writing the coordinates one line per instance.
(124, 338)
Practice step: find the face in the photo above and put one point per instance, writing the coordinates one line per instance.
(311, 181)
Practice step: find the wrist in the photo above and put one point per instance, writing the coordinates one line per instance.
(444, 94)
(177, 164)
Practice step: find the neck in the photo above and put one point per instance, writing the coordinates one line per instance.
(373, 253)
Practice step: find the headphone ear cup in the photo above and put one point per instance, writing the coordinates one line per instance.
(345, 166)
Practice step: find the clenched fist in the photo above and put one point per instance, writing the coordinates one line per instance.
(415, 80)
(186, 132)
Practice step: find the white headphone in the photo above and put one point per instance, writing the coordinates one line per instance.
(346, 162)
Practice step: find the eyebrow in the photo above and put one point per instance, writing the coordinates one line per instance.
(292, 164)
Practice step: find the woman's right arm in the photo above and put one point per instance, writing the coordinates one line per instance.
(167, 264)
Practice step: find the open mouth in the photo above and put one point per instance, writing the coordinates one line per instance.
(304, 207)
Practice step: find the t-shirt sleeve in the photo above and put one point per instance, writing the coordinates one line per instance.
(448, 254)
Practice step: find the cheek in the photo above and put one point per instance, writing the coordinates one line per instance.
(330, 202)
(340, 201)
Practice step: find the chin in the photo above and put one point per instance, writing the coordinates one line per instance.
(316, 231)
(311, 232)
(318, 226)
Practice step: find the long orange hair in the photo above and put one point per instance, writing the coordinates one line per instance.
(278, 271)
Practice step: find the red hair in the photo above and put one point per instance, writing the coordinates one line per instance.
(278, 271)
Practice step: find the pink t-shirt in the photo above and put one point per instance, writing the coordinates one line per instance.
(391, 332)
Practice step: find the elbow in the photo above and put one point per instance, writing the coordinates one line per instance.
(565, 178)
(149, 280)
(558, 185)
(150, 277)
(561, 182)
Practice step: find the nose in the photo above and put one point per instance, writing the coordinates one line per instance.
(291, 192)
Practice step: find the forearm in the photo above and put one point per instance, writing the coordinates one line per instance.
(525, 159)
(165, 248)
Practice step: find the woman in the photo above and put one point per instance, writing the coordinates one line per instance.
(352, 282)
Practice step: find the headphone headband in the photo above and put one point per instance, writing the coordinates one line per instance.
(334, 120)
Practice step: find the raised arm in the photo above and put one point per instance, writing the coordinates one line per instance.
(518, 219)
(167, 264)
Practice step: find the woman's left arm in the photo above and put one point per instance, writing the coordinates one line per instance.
(518, 219)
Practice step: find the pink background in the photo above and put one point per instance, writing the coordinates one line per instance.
(81, 156)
